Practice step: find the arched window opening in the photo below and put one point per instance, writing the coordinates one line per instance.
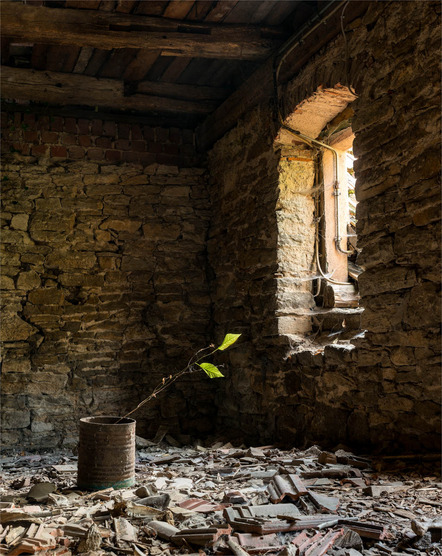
(316, 218)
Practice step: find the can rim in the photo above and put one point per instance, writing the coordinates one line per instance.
(107, 420)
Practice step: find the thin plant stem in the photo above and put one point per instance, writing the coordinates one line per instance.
(166, 382)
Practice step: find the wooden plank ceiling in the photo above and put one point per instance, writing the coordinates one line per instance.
(174, 60)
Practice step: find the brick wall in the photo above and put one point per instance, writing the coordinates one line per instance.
(384, 392)
(95, 139)
(103, 280)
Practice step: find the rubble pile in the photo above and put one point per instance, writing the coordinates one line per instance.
(224, 500)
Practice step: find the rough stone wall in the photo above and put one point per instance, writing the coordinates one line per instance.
(261, 253)
(384, 392)
(296, 240)
(399, 215)
(243, 255)
(104, 286)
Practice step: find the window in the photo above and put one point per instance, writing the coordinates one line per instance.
(337, 223)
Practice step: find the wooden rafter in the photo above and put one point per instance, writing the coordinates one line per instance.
(73, 89)
(108, 30)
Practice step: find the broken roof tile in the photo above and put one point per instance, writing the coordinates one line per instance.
(257, 544)
(203, 506)
(202, 536)
(286, 485)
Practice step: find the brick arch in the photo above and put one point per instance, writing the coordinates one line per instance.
(313, 113)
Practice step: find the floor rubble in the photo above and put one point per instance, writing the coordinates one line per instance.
(225, 500)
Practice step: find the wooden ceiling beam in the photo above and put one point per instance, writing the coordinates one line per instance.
(73, 89)
(109, 30)
(178, 90)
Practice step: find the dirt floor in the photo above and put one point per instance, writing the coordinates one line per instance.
(225, 500)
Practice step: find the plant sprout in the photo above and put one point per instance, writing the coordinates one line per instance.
(195, 363)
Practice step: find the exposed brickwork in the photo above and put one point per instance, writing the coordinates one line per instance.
(385, 392)
(95, 139)
(103, 291)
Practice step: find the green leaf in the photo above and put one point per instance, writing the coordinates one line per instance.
(228, 341)
(210, 370)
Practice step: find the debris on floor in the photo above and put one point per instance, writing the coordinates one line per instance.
(223, 500)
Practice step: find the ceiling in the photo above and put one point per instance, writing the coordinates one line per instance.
(175, 60)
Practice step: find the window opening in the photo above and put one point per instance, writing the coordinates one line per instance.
(337, 224)
(335, 234)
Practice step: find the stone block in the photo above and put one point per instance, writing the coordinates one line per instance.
(288, 302)
(16, 419)
(46, 296)
(49, 205)
(51, 223)
(102, 179)
(70, 260)
(424, 166)
(411, 374)
(15, 329)
(141, 179)
(100, 190)
(161, 231)
(416, 240)
(427, 215)
(376, 253)
(17, 206)
(35, 256)
(20, 222)
(117, 201)
(11, 438)
(389, 373)
(16, 237)
(386, 279)
(108, 263)
(402, 356)
(10, 304)
(367, 357)
(102, 236)
(6, 283)
(339, 355)
(176, 191)
(424, 307)
(82, 207)
(41, 426)
(294, 325)
(378, 418)
(11, 365)
(121, 225)
(28, 280)
(394, 404)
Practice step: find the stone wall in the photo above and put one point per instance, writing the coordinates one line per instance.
(243, 255)
(261, 247)
(385, 391)
(103, 281)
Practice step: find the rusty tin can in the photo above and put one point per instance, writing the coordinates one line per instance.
(106, 453)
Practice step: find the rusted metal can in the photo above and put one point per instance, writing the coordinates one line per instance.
(106, 453)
